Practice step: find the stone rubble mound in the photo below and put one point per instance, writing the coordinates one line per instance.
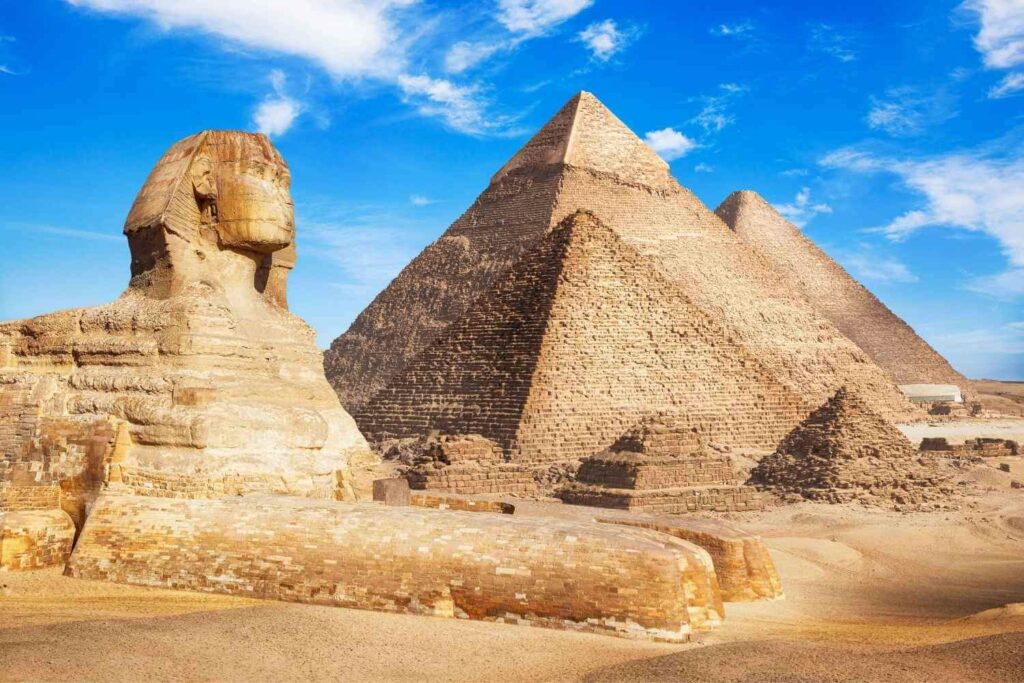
(846, 452)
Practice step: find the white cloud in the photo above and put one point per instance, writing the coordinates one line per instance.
(703, 168)
(1008, 284)
(669, 143)
(464, 55)
(349, 38)
(826, 39)
(973, 191)
(714, 116)
(604, 39)
(741, 29)
(869, 265)
(460, 107)
(420, 200)
(800, 211)
(1012, 84)
(1000, 39)
(276, 114)
(4, 69)
(906, 112)
(536, 17)
(1008, 339)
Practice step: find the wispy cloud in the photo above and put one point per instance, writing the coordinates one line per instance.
(352, 40)
(1000, 40)
(978, 191)
(1012, 84)
(828, 40)
(869, 264)
(703, 168)
(464, 55)
(605, 39)
(462, 108)
(75, 233)
(714, 115)
(907, 112)
(537, 17)
(276, 114)
(669, 143)
(420, 200)
(1004, 339)
(742, 29)
(801, 210)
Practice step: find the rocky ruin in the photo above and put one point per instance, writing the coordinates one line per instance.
(846, 452)
(661, 465)
(585, 158)
(187, 435)
(837, 296)
(572, 346)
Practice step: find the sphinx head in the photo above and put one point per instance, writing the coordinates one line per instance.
(216, 209)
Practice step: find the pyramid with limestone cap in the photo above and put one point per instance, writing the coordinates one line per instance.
(858, 314)
(845, 451)
(585, 158)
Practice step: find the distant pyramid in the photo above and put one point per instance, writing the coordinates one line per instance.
(585, 158)
(845, 451)
(573, 345)
(890, 342)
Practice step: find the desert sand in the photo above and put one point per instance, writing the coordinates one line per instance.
(870, 595)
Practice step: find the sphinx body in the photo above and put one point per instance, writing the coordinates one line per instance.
(197, 382)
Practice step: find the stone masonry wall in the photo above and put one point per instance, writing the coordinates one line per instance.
(579, 576)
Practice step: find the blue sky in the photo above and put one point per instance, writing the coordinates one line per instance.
(892, 132)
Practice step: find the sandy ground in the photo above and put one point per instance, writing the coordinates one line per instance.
(870, 596)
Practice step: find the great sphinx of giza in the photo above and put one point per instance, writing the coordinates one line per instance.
(197, 382)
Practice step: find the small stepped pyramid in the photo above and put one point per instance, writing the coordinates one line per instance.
(845, 452)
(661, 465)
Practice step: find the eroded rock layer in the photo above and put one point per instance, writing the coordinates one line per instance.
(858, 314)
(585, 158)
(571, 347)
(579, 576)
(845, 452)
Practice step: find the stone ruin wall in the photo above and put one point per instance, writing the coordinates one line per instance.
(574, 346)
(852, 308)
(440, 283)
(985, 448)
(712, 266)
(577, 576)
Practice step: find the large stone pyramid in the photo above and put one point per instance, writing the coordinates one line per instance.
(585, 158)
(572, 346)
(858, 314)
(844, 451)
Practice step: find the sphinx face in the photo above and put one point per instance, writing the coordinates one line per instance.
(245, 193)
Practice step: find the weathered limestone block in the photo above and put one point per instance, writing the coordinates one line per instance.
(393, 491)
(580, 576)
(981, 447)
(198, 376)
(443, 501)
(34, 539)
(743, 565)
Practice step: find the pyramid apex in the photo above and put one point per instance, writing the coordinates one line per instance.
(734, 212)
(586, 134)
